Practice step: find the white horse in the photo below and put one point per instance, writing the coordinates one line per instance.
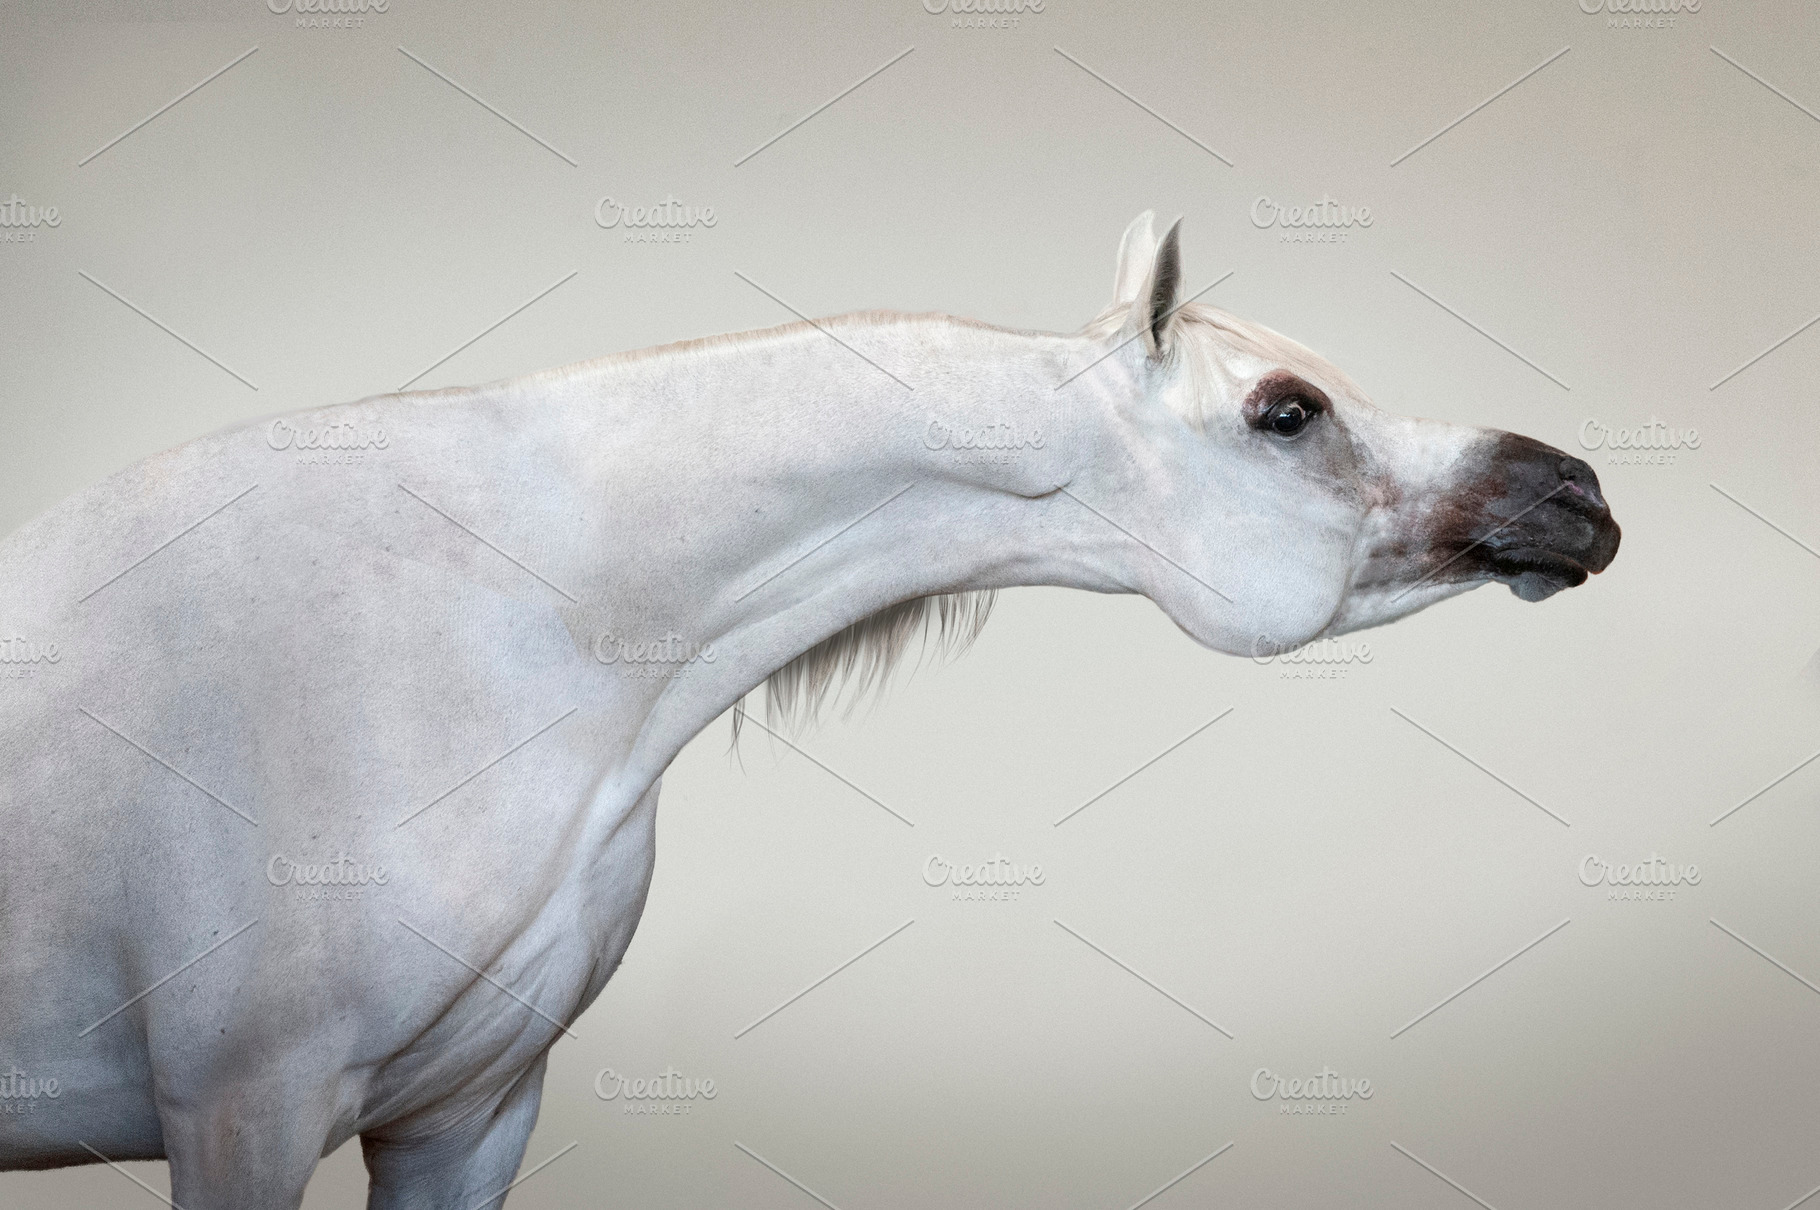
(277, 698)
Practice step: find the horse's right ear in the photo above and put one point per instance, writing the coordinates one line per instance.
(1136, 252)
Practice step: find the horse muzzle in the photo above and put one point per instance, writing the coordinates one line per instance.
(1532, 517)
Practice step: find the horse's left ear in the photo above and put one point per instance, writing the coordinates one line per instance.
(1153, 313)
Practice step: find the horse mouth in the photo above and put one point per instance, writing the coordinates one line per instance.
(1534, 574)
(1553, 527)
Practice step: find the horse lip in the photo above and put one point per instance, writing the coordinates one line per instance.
(1535, 574)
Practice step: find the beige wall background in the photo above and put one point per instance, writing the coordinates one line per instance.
(1606, 242)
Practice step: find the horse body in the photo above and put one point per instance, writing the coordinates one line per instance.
(444, 663)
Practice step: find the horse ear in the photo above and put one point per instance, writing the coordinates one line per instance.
(1136, 251)
(1153, 311)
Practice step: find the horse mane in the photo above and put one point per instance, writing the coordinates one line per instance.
(862, 656)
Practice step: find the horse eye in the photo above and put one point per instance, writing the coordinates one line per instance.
(1287, 417)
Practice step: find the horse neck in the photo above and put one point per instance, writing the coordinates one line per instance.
(806, 489)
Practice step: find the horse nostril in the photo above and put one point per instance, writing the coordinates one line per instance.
(1577, 475)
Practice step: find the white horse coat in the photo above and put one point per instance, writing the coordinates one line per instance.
(450, 656)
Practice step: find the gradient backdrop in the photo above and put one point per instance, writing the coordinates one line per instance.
(1601, 245)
